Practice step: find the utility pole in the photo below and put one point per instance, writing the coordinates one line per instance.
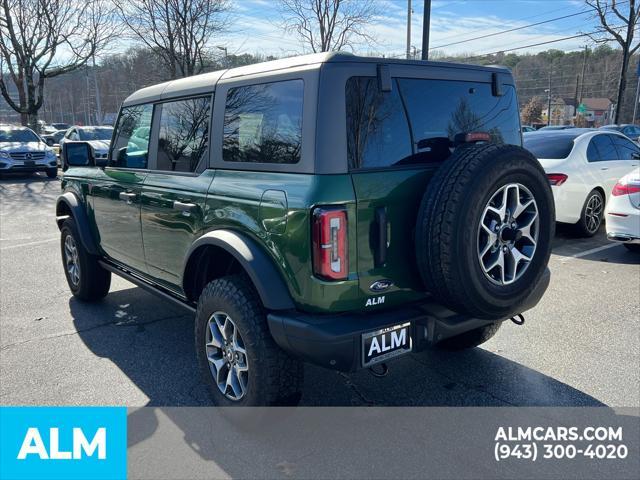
(635, 104)
(98, 104)
(549, 97)
(408, 29)
(584, 65)
(426, 22)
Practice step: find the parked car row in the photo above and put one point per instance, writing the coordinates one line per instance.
(22, 150)
(584, 167)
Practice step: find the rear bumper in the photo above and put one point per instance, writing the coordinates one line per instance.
(334, 341)
(623, 238)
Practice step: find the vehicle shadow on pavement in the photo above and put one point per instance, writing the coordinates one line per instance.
(151, 341)
(28, 193)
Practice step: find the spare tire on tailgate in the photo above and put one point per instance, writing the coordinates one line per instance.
(484, 230)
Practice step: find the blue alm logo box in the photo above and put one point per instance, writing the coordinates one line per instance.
(63, 443)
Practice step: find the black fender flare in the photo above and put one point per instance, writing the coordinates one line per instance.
(75, 206)
(266, 278)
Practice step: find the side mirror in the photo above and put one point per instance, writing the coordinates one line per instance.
(77, 154)
(50, 142)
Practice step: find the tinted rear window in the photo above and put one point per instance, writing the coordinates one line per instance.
(421, 121)
(549, 146)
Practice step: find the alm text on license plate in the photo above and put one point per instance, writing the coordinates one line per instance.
(385, 343)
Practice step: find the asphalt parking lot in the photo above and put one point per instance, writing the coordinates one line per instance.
(579, 347)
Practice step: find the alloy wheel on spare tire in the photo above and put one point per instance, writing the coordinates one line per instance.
(484, 230)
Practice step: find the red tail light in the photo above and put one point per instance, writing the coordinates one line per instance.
(625, 189)
(330, 252)
(557, 179)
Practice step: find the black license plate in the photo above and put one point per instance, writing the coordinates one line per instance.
(386, 343)
(29, 163)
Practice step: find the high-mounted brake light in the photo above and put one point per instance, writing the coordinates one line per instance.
(330, 252)
(557, 179)
(625, 189)
(477, 137)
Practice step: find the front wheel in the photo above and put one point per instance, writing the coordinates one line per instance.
(240, 362)
(87, 280)
(591, 215)
(52, 172)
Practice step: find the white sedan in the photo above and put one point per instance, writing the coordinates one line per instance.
(623, 211)
(582, 165)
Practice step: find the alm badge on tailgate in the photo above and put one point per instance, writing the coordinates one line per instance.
(385, 343)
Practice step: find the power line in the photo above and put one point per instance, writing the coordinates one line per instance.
(511, 30)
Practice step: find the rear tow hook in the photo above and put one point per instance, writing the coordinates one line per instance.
(518, 319)
(381, 372)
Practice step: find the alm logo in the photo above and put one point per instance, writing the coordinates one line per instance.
(71, 443)
(34, 445)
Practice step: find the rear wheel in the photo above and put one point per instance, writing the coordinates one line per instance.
(470, 339)
(240, 362)
(87, 280)
(591, 215)
(484, 230)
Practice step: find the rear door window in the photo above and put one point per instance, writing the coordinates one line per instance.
(603, 149)
(130, 148)
(263, 123)
(184, 135)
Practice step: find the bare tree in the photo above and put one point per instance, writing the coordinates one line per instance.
(41, 39)
(617, 22)
(329, 25)
(180, 31)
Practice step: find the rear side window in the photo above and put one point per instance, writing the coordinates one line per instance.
(263, 123)
(552, 146)
(422, 121)
(131, 145)
(601, 148)
(184, 134)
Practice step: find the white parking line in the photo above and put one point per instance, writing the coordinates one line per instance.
(589, 252)
(28, 244)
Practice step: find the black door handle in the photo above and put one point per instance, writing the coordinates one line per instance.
(185, 207)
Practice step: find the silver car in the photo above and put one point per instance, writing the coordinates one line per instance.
(21, 150)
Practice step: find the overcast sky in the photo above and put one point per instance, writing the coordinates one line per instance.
(256, 29)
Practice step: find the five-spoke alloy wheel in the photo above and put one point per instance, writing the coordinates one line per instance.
(227, 356)
(72, 263)
(508, 233)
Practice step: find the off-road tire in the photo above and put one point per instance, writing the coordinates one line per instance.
(52, 172)
(581, 228)
(274, 378)
(448, 223)
(94, 280)
(632, 247)
(470, 339)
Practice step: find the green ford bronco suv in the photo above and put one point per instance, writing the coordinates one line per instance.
(326, 208)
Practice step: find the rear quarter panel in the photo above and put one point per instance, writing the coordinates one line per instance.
(234, 202)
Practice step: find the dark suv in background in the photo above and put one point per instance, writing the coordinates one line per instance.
(326, 208)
